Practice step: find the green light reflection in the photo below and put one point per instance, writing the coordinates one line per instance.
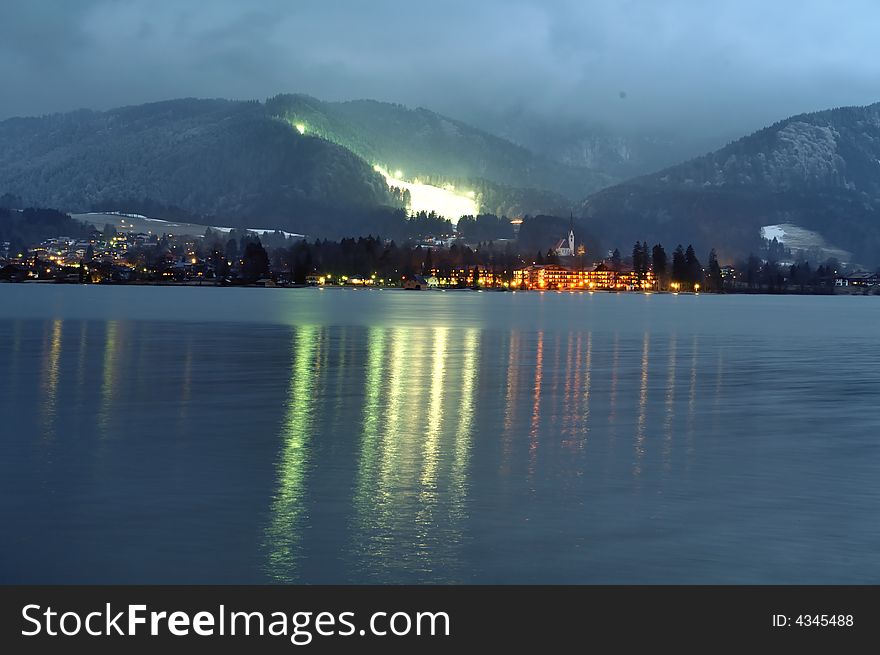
(417, 430)
(435, 413)
(50, 374)
(108, 379)
(284, 533)
(464, 433)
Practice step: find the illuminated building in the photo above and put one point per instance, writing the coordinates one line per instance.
(548, 276)
(464, 276)
(858, 279)
(630, 281)
(555, 276)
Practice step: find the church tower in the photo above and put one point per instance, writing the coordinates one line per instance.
(565, 246)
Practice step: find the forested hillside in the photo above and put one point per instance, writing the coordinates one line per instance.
(820, 171)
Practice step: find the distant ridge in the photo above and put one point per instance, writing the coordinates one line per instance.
(820, 171)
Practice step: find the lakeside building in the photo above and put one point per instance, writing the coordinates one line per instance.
(858, 279)
(416, 283)
(556, 276)
(464, 276)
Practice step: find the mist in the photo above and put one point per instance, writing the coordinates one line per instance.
(679, 65)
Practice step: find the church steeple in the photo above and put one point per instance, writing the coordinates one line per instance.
(565, 246)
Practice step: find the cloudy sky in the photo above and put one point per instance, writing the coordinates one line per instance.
(717, 65)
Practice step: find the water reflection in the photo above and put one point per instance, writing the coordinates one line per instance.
(669, 403)
(419, 396)
(511, 391)
(370, 444)
(615, 367)
(415, 443)
(464, 433)
(587, 370)
(342, 370)
(369, 454)
(536, 402)
(109, 379)
(641, 421)
(692, 399)
(571, 382)
(81, 364)
(288, 506)
(435, 413)
(719, 380)
(50, 375)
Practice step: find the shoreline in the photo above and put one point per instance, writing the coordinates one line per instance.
(837, 291)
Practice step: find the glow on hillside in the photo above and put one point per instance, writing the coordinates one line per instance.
(301, 128)
(446, 201)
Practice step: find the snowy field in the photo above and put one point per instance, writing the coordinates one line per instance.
(139, 223)
(798, 238)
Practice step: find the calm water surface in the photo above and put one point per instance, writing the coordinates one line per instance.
(333, 436)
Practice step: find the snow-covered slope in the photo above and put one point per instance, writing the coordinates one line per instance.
(820, 172)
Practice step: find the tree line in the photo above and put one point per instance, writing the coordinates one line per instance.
(248, 258)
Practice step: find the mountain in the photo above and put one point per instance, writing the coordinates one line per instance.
(819, 172)
(193, 158)
(424, 144)
(293, 162)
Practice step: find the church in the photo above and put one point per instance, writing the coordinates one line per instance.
(565, 247)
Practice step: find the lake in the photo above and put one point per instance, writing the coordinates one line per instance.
(222, 435)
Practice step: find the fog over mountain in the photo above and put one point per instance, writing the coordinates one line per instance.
(681, 68)
(818, 171)
(293, 162)
(522, 107)
(617, 152)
